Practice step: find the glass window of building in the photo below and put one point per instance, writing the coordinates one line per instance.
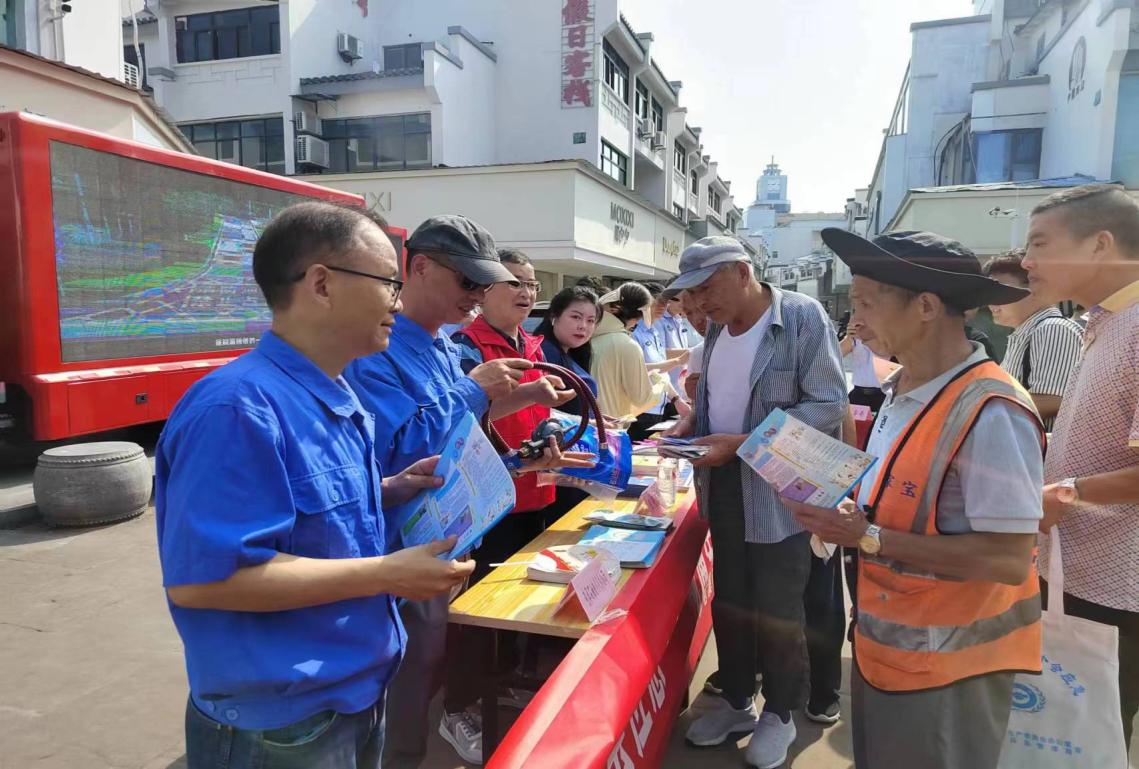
(616, 72)
(258, 143)
(382, 143)
(1008, 156)
(614, 164)
(228, 34)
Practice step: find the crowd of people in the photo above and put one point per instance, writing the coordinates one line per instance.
(274, 472)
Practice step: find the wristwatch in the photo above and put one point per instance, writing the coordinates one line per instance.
(871, 542)
(1067, 491)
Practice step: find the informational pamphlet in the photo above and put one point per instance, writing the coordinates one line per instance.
(629, 520)
(635, 549)
(477, 492)
(801, 463)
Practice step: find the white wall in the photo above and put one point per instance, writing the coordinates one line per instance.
(556, 214)
(800, 237)
(213, 90)
(314, 25)
(541, 200)
(467, 125)
(894, 179)
(1080, 134)
(1024, 106)
(945, 62)
(92, 36)
(595, 225)
(526, 35)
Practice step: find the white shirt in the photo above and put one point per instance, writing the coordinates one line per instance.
(729, 376)
(696, 360)
(994, 482)
(862, 366)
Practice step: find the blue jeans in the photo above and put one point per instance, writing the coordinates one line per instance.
(328, 740)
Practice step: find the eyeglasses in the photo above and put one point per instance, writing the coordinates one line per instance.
(465, 283)
(533, 286)
(394, 285)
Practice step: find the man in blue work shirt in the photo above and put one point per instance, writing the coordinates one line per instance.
(270, 526)
(417, 391)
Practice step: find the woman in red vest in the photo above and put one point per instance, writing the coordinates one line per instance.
(498, 333)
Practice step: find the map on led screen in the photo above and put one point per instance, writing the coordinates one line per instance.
(152, 260)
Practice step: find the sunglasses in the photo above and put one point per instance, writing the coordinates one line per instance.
(465, 283)
(394, 285)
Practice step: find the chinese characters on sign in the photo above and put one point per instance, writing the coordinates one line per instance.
(640, 725)
(246, 341)
(577, 53)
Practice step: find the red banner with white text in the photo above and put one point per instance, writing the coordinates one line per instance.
(613, 701)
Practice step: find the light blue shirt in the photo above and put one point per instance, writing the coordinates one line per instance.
(673, 333)
(649, 338)
(994, 482)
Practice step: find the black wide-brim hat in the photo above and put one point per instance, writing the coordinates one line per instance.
(923, 262)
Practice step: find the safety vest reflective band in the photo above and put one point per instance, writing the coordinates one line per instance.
(918, 630)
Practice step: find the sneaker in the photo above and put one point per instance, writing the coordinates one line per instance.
(721, 722)
(464, 732)
(517, 699)
(826, 716)
(769, 742)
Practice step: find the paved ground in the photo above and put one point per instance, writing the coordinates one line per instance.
(91, 674)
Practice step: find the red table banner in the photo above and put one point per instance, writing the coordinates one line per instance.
(613, 701)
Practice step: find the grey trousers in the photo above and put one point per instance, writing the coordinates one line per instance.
(415, 684)
(960, 726)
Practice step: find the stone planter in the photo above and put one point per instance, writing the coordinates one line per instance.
(90, 483)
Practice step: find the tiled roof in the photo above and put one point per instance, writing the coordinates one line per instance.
(354, 76)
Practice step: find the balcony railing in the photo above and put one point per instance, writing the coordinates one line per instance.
(613, 105)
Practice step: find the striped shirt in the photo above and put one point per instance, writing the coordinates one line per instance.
(1046, 348)
(1097, 431)
(797, 368)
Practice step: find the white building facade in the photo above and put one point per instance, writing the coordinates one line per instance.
(407, 102)
(83, 33)
(1022, 90)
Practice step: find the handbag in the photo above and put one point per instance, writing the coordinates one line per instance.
(1069, 715)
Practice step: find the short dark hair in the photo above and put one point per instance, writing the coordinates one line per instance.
(298, 237)
(1094, 208)
(655, 289)
(593, 283)
(1007, 263)
(513, 256)
(631, 298)
(583, 355)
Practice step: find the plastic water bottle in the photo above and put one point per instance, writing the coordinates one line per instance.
(666, 481)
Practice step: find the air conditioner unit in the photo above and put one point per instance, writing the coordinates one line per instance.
(312, 151)
(304, 123)
(350, 48)
(658, 140)
(644, 127)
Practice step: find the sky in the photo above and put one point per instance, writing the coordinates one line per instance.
(812, 82)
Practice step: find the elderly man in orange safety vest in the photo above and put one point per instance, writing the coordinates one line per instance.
(948, 606)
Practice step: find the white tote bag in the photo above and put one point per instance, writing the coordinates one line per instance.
(1068, 716)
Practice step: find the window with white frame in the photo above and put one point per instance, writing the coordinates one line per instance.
(614, 164)
(616, 72)
(679, 158)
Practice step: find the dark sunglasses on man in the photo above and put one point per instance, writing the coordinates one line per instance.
(465, 283)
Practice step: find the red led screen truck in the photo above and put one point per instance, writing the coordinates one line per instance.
(126, 274)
